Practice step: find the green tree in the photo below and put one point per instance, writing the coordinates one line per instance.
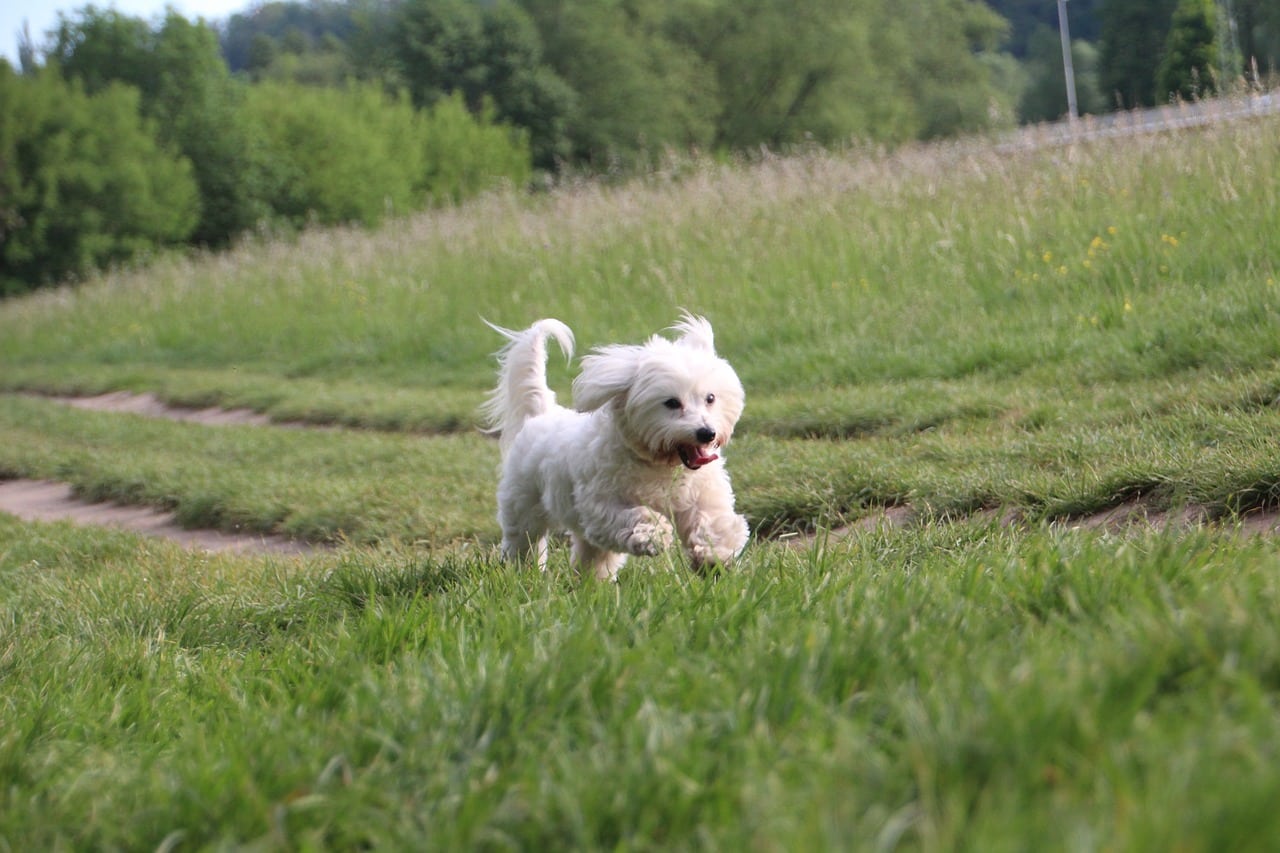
(466, 154)
(1133, 35)
(949, 85)
(487, 54)
(1188, 68)
(83, 181)
(1046, 96)
(639, 86)
(343, 155)
(1258, 28)
(188, 91)
(357, 155)
(829, 70)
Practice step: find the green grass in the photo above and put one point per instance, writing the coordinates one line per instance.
(960, 686)
(969, 333)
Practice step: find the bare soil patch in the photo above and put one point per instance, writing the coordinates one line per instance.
(47, 501)
(1131, 516)
(151, 406)
(41, 500)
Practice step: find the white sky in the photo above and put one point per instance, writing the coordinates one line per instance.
(42, 15)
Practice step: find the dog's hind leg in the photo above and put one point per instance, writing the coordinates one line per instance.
(601, 564)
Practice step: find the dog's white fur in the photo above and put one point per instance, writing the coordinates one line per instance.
(639, 454)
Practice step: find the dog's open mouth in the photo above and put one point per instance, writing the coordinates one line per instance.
(694, 457)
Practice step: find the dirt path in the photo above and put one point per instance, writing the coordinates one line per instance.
(1131, 516)
(151, 406)
(33, 500)
(40, 500)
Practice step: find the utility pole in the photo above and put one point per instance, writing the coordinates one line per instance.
(1073, 111)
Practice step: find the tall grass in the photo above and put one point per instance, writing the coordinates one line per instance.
(950, 328)
(1119, 259)
(954, 327)
(956, 687)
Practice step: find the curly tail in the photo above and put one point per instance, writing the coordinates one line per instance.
(522, 391)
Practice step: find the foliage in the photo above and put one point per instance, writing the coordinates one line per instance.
(83, 183)
(1046, 97)
(1025, 17)
(192, 99)
(356, 155)
(489, 55)
(466, 154)
(342, 155)
(948, 85)
(1189, 66)
(637, 89)
(1258, 32)
(290, 27)
(1134, 34)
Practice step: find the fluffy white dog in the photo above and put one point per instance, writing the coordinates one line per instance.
(639, 454)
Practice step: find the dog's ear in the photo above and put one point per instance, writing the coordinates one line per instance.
(694, 332)
(607, 374)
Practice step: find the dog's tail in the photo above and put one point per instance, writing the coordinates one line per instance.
(522, 391)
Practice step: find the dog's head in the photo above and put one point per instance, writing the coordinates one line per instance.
(674, 401)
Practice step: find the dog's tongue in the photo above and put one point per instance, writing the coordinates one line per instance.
(695, 459)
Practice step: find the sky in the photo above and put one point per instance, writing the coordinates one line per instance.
(42, 15)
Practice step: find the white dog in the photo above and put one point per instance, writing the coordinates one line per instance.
(640, 453)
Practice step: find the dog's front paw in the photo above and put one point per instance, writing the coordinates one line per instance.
(720, 543)
(651, 536)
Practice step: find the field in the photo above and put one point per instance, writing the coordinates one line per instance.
(958, 358)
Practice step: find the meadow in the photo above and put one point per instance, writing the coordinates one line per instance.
(999, 342)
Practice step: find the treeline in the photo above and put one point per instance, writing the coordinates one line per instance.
(119, 136)
(1140, 53)
(611, 83)
(132, 137)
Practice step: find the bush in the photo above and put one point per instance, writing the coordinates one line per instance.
(357, 155)
(340, 155)
(83, 181)
(465, 155)
(1191, 53)
(189, 93)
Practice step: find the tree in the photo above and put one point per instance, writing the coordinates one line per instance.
(638, 88)
(1046, 96)
(188, 91)
(83, 181)
(1188, 68)
(949, 85)
(1258, 26)
(357, 155)
(1133, 36)
(829, 70)
(487, 54)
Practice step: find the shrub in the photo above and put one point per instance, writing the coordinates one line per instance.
(1190, 53)
(341, 155)
(357, 155)
(465, 155)
(83, 181)
(189, 94)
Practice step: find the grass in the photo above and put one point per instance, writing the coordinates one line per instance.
(960, 686)
(1040, 334)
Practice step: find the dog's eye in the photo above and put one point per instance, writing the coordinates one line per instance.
(711, 398)
(672, 403)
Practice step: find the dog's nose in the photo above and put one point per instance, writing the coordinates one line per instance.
(705, 435)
